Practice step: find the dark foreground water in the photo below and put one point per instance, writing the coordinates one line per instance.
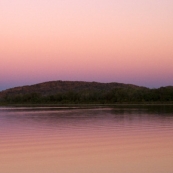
(90, 140)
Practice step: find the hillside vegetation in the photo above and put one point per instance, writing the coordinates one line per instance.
(64, 92)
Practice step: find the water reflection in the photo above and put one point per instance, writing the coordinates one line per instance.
(98, 139)
(85, 116)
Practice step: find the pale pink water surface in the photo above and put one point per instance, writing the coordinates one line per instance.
(88, 140)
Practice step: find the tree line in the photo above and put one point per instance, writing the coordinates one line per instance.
(117, 95)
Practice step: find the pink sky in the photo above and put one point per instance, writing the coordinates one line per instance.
(128, 41)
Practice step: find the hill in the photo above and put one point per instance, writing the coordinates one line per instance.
(84, 92)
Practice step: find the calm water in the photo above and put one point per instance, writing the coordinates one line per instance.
(89, 140)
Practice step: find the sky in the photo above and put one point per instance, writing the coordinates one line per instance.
(126, 41)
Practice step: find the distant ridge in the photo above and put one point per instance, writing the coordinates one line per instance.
(81, 91)
(53, 87)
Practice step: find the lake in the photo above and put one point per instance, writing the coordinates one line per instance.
(120, 139)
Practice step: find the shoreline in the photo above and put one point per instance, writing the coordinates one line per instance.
(86, 104)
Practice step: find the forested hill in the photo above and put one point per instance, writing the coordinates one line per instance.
(84, 92)
(54, 87)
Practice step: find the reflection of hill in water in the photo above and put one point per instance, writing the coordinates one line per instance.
(83, 116)
(149, 109)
